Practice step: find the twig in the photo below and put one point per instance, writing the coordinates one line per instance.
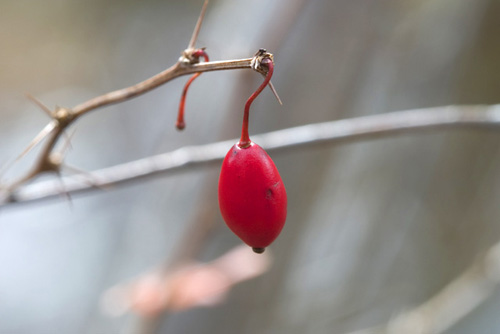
(64, 117)
(401, 122)
(145, 86)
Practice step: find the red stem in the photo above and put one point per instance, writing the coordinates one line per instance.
(180, 124)
(245, 139)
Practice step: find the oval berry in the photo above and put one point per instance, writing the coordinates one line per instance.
(252, 197)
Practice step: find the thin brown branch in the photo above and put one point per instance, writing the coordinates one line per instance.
(361, 128)
(159, 79)
(64, 117)
(235, 64)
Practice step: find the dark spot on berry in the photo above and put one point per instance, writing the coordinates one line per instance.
(269, 193)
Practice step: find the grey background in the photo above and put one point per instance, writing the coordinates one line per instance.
(374, 228)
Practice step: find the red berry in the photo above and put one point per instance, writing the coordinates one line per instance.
(252, 197)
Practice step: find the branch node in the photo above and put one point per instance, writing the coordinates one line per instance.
(63, 117)
(257, 60)
(52, 163)
(191, 56)
(259, 64)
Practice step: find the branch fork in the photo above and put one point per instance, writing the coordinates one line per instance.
(190, 57)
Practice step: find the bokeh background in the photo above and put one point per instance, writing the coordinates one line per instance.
(374, 227)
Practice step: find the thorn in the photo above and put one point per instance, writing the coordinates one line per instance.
(197, 28)
(40, 105)
(64, 192)
(67, 143)
(39, 137)
(271, 86)
(259, 56)
(275, 92)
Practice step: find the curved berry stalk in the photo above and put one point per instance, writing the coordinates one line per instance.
(245, 139)
(180, 124)
(252, 197)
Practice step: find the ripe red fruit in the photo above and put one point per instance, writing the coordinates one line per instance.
(252, 197)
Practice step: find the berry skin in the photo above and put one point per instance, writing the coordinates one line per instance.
(252, 197)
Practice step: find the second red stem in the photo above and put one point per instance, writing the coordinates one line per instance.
(180, 124)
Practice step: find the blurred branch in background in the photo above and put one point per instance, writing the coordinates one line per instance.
(456, 300)
(186, 286)
(401, 122)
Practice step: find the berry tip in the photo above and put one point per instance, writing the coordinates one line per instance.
(258, 250)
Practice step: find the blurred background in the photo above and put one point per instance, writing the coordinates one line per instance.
(374, 228)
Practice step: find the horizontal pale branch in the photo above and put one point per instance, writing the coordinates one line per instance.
(328, 132)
